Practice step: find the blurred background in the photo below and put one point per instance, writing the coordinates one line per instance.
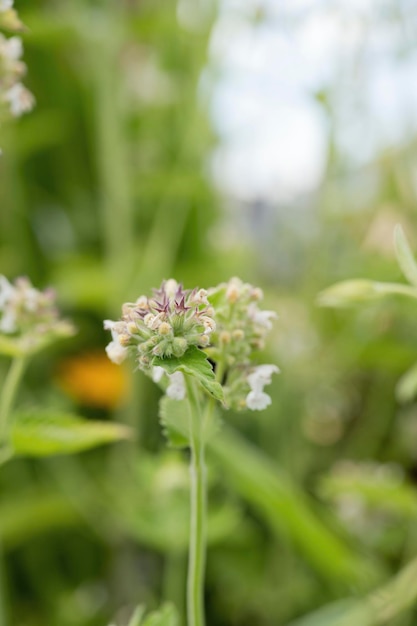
(203, 139)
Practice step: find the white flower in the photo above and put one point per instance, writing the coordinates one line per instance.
(20, 99)
(115, 351)
(261, 318)
(13, 48)
(157, 374)
(261, 376)
(257, 400)
(176, 387)
(5, 5)
(7, 291)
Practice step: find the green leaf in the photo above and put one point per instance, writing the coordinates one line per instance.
(350, 292)
(136, 619)
(173, 415)
(406, 388)
(405, 257)
(194, 363)
(44, 433)
(287, 510)
(166, 616)
(174, 418)
(380, 607)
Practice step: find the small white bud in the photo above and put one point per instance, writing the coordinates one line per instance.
(209, 324)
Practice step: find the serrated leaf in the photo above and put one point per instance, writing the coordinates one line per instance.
(406, 388)
(174, 418)
(44, 433)
(405, 256)
(194, 363)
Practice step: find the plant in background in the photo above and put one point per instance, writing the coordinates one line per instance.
(15, 98)
(356, 291)
(29, 322)
(199, 346)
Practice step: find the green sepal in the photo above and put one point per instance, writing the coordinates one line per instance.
(45, 433)
(194, 363)
(405, 257)
(174, 419)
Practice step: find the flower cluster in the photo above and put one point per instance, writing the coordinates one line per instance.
(13, 94)
(225, 322)
(163, 326)
(241, 330)
(28, 316)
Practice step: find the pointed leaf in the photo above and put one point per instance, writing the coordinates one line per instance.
(405, 256)
(136, 619)
(406, 388)
(166, 616)
(44, 433)
(194, 363)
(350, 292)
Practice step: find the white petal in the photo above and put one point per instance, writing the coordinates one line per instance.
(6, 291)
(257, 400)
(5, 5)
(261, 376)
(116, 352)
(176, 388)
(157, 374)
(262, 318)
(8, 322)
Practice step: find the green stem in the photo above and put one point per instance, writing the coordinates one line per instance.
(10, 386)
(197, 545)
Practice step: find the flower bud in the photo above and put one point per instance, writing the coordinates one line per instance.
(164, 328)
(179, 346)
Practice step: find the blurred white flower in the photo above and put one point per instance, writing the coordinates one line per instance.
(257, 400)
(261, 318)
(12, 48)
(157, 374)
(176, 387)
(20, 99)
(116, 352)
(261, 376)
(5, 5)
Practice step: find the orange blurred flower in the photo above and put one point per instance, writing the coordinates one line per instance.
(92, 380)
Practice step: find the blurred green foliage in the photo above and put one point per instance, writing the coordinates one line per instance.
(104, 192)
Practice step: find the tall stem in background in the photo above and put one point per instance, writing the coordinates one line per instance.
(198, 498)
(8, 393)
